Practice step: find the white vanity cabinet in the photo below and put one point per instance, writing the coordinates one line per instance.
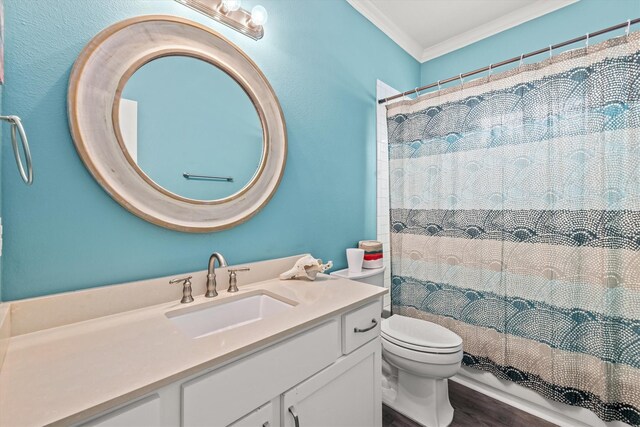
(328, 375)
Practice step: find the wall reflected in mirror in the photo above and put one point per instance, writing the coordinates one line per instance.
(179, 114)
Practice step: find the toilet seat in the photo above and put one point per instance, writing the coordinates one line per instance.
(421, 349)
(422, 357)
(420, 335)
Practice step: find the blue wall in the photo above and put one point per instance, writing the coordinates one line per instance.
(564, 24)
(65, 233)
(204, 124)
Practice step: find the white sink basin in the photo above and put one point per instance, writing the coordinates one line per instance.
(212, 319)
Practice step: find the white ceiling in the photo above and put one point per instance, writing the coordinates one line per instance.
(429, 28)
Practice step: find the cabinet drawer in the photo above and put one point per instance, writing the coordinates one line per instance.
(228, 393)
(360, 326)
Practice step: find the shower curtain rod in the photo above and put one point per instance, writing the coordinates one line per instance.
(461, 76)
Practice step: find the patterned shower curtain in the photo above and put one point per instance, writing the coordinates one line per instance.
(515, 222)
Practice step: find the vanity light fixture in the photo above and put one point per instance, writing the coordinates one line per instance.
(232, 15)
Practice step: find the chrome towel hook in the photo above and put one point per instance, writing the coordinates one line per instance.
(17, 128)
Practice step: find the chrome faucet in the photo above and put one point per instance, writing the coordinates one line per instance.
(211, 273)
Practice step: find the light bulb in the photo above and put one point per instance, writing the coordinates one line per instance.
(258, 15)
(231, 5)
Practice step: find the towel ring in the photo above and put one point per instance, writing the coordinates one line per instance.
(17, 129)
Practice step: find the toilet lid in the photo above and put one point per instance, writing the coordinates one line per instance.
(420, 334)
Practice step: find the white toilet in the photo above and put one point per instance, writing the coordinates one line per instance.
(418, 358)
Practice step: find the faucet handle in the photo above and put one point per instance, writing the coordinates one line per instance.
(233, 279)
(186, 288)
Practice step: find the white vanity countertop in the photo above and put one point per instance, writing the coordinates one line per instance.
(69, 373)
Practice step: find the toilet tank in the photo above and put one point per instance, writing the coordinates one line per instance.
(372, 276)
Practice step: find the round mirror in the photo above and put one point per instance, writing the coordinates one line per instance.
(190, 128)
(153, 98)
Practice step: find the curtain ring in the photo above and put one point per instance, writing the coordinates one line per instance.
(439, 85)
(490, 69)
(587, 42)
(626, 32)
(521, 58)
(461, 80)
(550, 51)
(416, 92)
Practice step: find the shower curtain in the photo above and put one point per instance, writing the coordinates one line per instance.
(515, 222)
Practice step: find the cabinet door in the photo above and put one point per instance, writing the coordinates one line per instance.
(346, 394)
(262, 417)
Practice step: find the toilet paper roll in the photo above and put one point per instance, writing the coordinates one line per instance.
(372, 253)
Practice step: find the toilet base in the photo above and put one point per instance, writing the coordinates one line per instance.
(424, 400)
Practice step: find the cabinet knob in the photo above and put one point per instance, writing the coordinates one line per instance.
(293, 413)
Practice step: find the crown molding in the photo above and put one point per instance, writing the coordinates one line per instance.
(505, 22)
(395, 33)
(368, 9)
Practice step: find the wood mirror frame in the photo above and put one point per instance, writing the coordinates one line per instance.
(95, 85)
